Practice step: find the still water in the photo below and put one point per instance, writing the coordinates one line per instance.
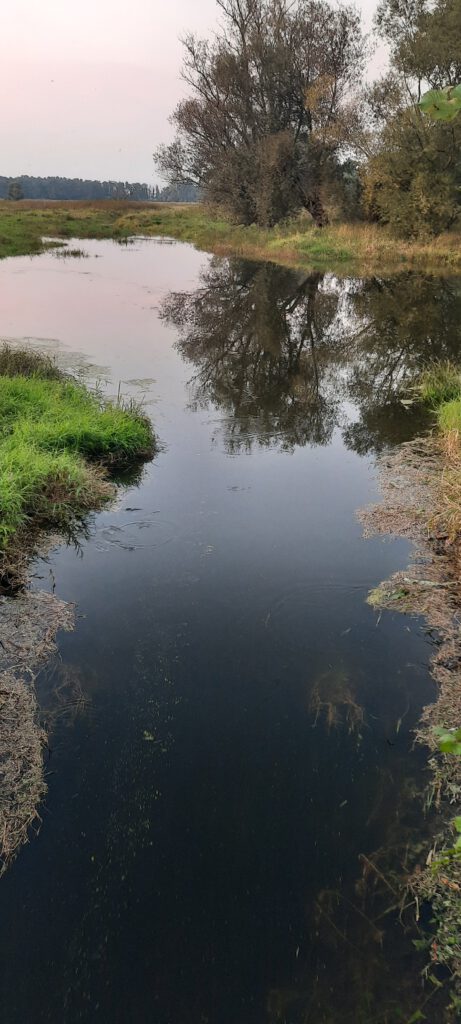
(242, 735)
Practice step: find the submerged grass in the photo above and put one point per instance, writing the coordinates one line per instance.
(56, 441)
(24, 225)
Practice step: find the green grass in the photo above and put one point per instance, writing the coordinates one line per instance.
(449, 416)
(439, 383)
(55, 437)
(340, 247)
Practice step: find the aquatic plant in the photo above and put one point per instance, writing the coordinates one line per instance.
(332, 698)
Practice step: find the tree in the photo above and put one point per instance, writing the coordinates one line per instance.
(413, 176)
(425, 39)
(262, 128)
(15, 191)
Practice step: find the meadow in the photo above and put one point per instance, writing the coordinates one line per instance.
(27, 226)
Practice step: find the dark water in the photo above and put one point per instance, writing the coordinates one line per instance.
(244, 728)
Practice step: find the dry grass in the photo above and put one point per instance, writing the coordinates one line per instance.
(28, 627)
(421, 485)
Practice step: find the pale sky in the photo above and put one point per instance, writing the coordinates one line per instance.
(87, 88)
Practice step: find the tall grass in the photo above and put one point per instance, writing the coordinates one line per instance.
(439, 383)
(55, 439)
(440, 388)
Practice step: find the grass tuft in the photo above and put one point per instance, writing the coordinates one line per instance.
(24, 362)
(56, 440)
(440, 382)
(449, 416)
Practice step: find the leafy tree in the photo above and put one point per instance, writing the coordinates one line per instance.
(425, 39)
(73, 188)
(185, 192)
(413, 176)
(15, 191)
(269, 109)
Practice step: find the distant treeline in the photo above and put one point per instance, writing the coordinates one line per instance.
(28, 187)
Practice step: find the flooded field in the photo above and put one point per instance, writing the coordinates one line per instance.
(231, 753)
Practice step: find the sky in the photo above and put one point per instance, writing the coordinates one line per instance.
(88, 88)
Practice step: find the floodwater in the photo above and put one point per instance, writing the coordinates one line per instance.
(238, 734)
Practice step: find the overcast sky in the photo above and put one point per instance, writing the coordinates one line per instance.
(87, 88)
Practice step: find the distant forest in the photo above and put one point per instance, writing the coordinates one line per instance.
(27, 187)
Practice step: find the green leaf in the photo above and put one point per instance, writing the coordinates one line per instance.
(442, 104)
(457, 823)
(449, 741)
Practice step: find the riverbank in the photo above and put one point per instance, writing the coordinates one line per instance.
(59, 443)
(421, 486)
(340, 247)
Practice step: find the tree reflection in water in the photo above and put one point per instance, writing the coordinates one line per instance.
(290, 356)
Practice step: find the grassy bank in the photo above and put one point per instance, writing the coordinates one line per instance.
(440, 388)
(421, 486)
(23, 225)
(57, 443)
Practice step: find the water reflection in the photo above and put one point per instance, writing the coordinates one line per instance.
(262, 341)
(247, 750)
(281, 351)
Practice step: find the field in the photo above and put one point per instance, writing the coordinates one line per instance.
(340, 247)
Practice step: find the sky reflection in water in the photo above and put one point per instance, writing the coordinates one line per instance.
(247, 726)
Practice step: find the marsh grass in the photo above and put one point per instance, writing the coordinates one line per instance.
(24, 225)
(439, 383)
(57, 443)
(62, 252)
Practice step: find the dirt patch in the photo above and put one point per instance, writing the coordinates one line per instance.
(28, 627)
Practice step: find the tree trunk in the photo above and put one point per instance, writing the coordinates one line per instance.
(317, 210)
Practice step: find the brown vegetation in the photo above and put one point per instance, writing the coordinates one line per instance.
(416, 482)
(29, 625)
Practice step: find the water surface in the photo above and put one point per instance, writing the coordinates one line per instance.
(237, 723)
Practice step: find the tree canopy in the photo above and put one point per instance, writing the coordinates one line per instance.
(412, 176)
(268, 109)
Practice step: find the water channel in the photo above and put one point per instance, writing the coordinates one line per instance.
(244, 733)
